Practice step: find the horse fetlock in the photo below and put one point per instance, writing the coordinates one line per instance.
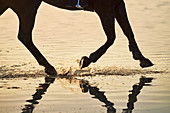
(137, 55)
(51, 71)
(144, 62)
(133, 47)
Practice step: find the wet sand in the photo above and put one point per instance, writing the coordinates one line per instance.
(98, 90)
(115, 83)
(84, 95)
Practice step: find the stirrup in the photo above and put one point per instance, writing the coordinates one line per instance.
(78, 5)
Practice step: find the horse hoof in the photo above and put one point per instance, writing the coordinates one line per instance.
(51, 72)
(84, 62)
(145, 63)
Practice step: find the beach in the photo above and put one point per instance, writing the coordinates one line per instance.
(114, 84)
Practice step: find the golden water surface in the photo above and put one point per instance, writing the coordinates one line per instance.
(65, 36)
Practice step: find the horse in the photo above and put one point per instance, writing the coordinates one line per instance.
(107, 10)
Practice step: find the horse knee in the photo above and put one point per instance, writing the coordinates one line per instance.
(97, 54)
(110, 41)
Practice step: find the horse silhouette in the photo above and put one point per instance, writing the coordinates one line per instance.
(107, 10)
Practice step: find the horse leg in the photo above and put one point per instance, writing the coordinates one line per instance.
(108, 22)
(26, 25)
(122, 19)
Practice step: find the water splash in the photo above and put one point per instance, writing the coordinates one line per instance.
(16, 71)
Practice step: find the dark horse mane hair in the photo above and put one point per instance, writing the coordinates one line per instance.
(107, 10)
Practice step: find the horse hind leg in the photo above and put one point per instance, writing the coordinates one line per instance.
(25, 36)
(122, 19)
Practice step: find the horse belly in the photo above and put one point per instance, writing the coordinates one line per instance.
(105, 6)
(57, 3)
(60, 4)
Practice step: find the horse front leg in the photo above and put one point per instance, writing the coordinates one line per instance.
(122, 19)
(107, 20)
(25, 36)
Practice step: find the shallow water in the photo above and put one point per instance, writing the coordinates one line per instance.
(63, 37)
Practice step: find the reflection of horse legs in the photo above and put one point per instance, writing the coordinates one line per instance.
(108, 25)
(122, 19)
(27, 18)
(37, 95)
(86, 87)
(135, 92)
